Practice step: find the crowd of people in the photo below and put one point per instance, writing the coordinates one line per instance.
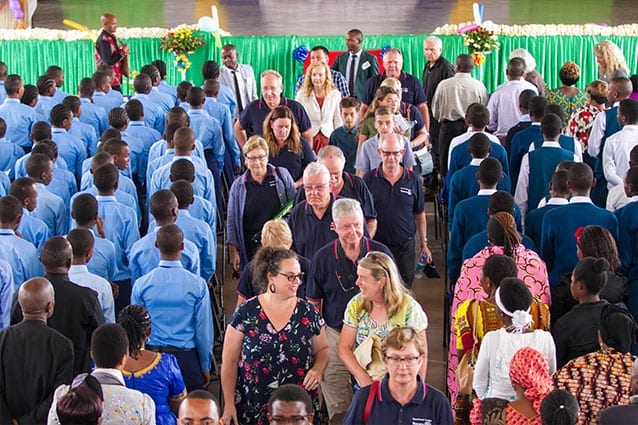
(111, 209)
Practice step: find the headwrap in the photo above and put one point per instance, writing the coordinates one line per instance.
(530, 370)
(521, 319)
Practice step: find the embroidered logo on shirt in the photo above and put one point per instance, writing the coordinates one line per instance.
(421, 421)
(406, 190)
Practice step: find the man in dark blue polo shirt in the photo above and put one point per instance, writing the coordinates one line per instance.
(251, 120)
(410, 85)
(311, 220)
(331, 285)
(398, 197)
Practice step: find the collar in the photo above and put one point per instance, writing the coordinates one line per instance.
(353, 130)
(78, 268)
(633, 399)
(358, 52)
(99, 93)
(170, 264)
(106, 198)
(476, 161)
(580, 200)
(419, 396)
(538, 124)
(140, 96)
(632, 199)
(338, 252)
(630, 127)
(154, 88)
(58, 130)
(175, 158)
(192, 111)
(11, 100)
(462, 75)
(551, 144)
(211, 99)
(557, 201)
(525, 118)
(486, 192)
(184, 213)
(7, 232)
(136, 124)
(402, 76)
(109, 373)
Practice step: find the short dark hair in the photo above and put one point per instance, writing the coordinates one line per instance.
(41, 130)
(100, 78)
(617, 327)
(210, 70)
(81, 241)
(490, 172)
(161, 67)
(177, 114)
(267, 261)
(580, 177)
(203, 395)
(632, 179)
(195, 96)
(53, 71)
(21, 188)
(3, 127)
(515, 294)
(479, 145)
(182, 89)
(291, 393)
(86, 88)
(537, 106)
(114, 146)
(161, 203)
(211, 88)
(84, 209)
(170, 129)
(322, 48)
(183, 191)
(169, 238)
(37, 164)
(73, 102)
(12, 84)
(106, 178)
(500, 201)
(110, 133)
(44, 83)
(56, 252)
(118, 118)
(557, 110)
(498, 267)
(559, 182)
(516, 67)
(108, 345)
(134, 109)
(551, 126)
(182, 169)
(142, 83)
(524, 97)
(629, 109)
(350, 102)
(10, 209)
(45, 149)
(29, 95)
(478, 115)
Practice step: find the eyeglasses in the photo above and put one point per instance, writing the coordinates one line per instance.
(292, 277)
(292, 420)
(374, 257)
(350, 280)
(396, 360)
(315, 188)
(391, 153)
(255, 158)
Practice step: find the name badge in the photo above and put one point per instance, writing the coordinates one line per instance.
(365, 65)
(406, 190)
(273, 183)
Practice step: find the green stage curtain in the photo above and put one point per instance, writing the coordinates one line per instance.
(30, 58)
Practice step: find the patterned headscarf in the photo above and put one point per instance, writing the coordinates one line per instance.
(530, 370)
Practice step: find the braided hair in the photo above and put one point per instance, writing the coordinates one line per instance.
(501, 231)
(135, 320)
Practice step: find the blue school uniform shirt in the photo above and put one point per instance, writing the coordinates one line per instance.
(21, 255)
(71, 149)
(86, 134)
(182, 317)
(153, 113)
(208, 130)
(106, 101)
(52, 211)
(19, 119)
(9, 154)
(33, 229)
(628, 239)
(201, 235)
(93, 115)
(225, 118)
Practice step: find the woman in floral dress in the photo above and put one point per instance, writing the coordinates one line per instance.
(271, 340)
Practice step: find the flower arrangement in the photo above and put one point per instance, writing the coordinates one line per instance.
(480, 40)
(181, 62)
(181, 41)
(537, 30)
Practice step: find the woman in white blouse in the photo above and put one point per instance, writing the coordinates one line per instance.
(320, 98)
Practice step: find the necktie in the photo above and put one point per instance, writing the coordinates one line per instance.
(240, 107)
(353, 60)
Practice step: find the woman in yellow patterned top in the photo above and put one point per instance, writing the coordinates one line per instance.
(382, 305)
(475, 318)
(568, 96)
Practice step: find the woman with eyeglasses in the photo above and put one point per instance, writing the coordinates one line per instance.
(402, 396)
(271, 340)
(287, 148)
(254, 198)
(382, 304)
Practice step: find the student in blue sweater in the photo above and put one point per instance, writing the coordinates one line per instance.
(558, 244)
(558, 197)
(524, 138)
(538, 166)
(628, 239)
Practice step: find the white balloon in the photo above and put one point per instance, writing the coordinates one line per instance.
(206, 23)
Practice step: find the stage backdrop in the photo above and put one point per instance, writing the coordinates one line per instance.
(30, 58)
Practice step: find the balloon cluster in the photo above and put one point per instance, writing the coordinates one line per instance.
(383, 50)
(300, 54)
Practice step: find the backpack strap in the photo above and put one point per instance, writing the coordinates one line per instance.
(374, 390)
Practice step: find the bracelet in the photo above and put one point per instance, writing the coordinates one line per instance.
(424, 239)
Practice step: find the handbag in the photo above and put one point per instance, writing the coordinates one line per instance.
(369, 355)
(465, 369)
(424, 159)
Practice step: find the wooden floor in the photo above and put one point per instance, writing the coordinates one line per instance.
(332, 17)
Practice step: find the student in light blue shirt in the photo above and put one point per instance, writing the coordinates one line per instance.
(18, 116)
(195, 230)
(153, 113)
(91, 114)
(120, 227)
(51, 208)
(31, 228)
(59, 184)
(20, 254)
(163, 86)
(165, 101)
(9, 152)
(57, 74)
(118, 119)
(210, 71)
(220, 111)
(3, 75)
(84, 211)
(144, 255)
(178, 115)
(138, 128)
(182, 319)
(207, 130)
(81, 130)
(6, 293)
(101, 96)
(70, 148)
(83, 242)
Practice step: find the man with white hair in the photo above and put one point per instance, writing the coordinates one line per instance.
(331, 285)
(252, 118)
(436, 69)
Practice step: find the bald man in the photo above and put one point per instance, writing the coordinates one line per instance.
(201, 407)
(107, 51)
(34, 358)
(78, 311)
